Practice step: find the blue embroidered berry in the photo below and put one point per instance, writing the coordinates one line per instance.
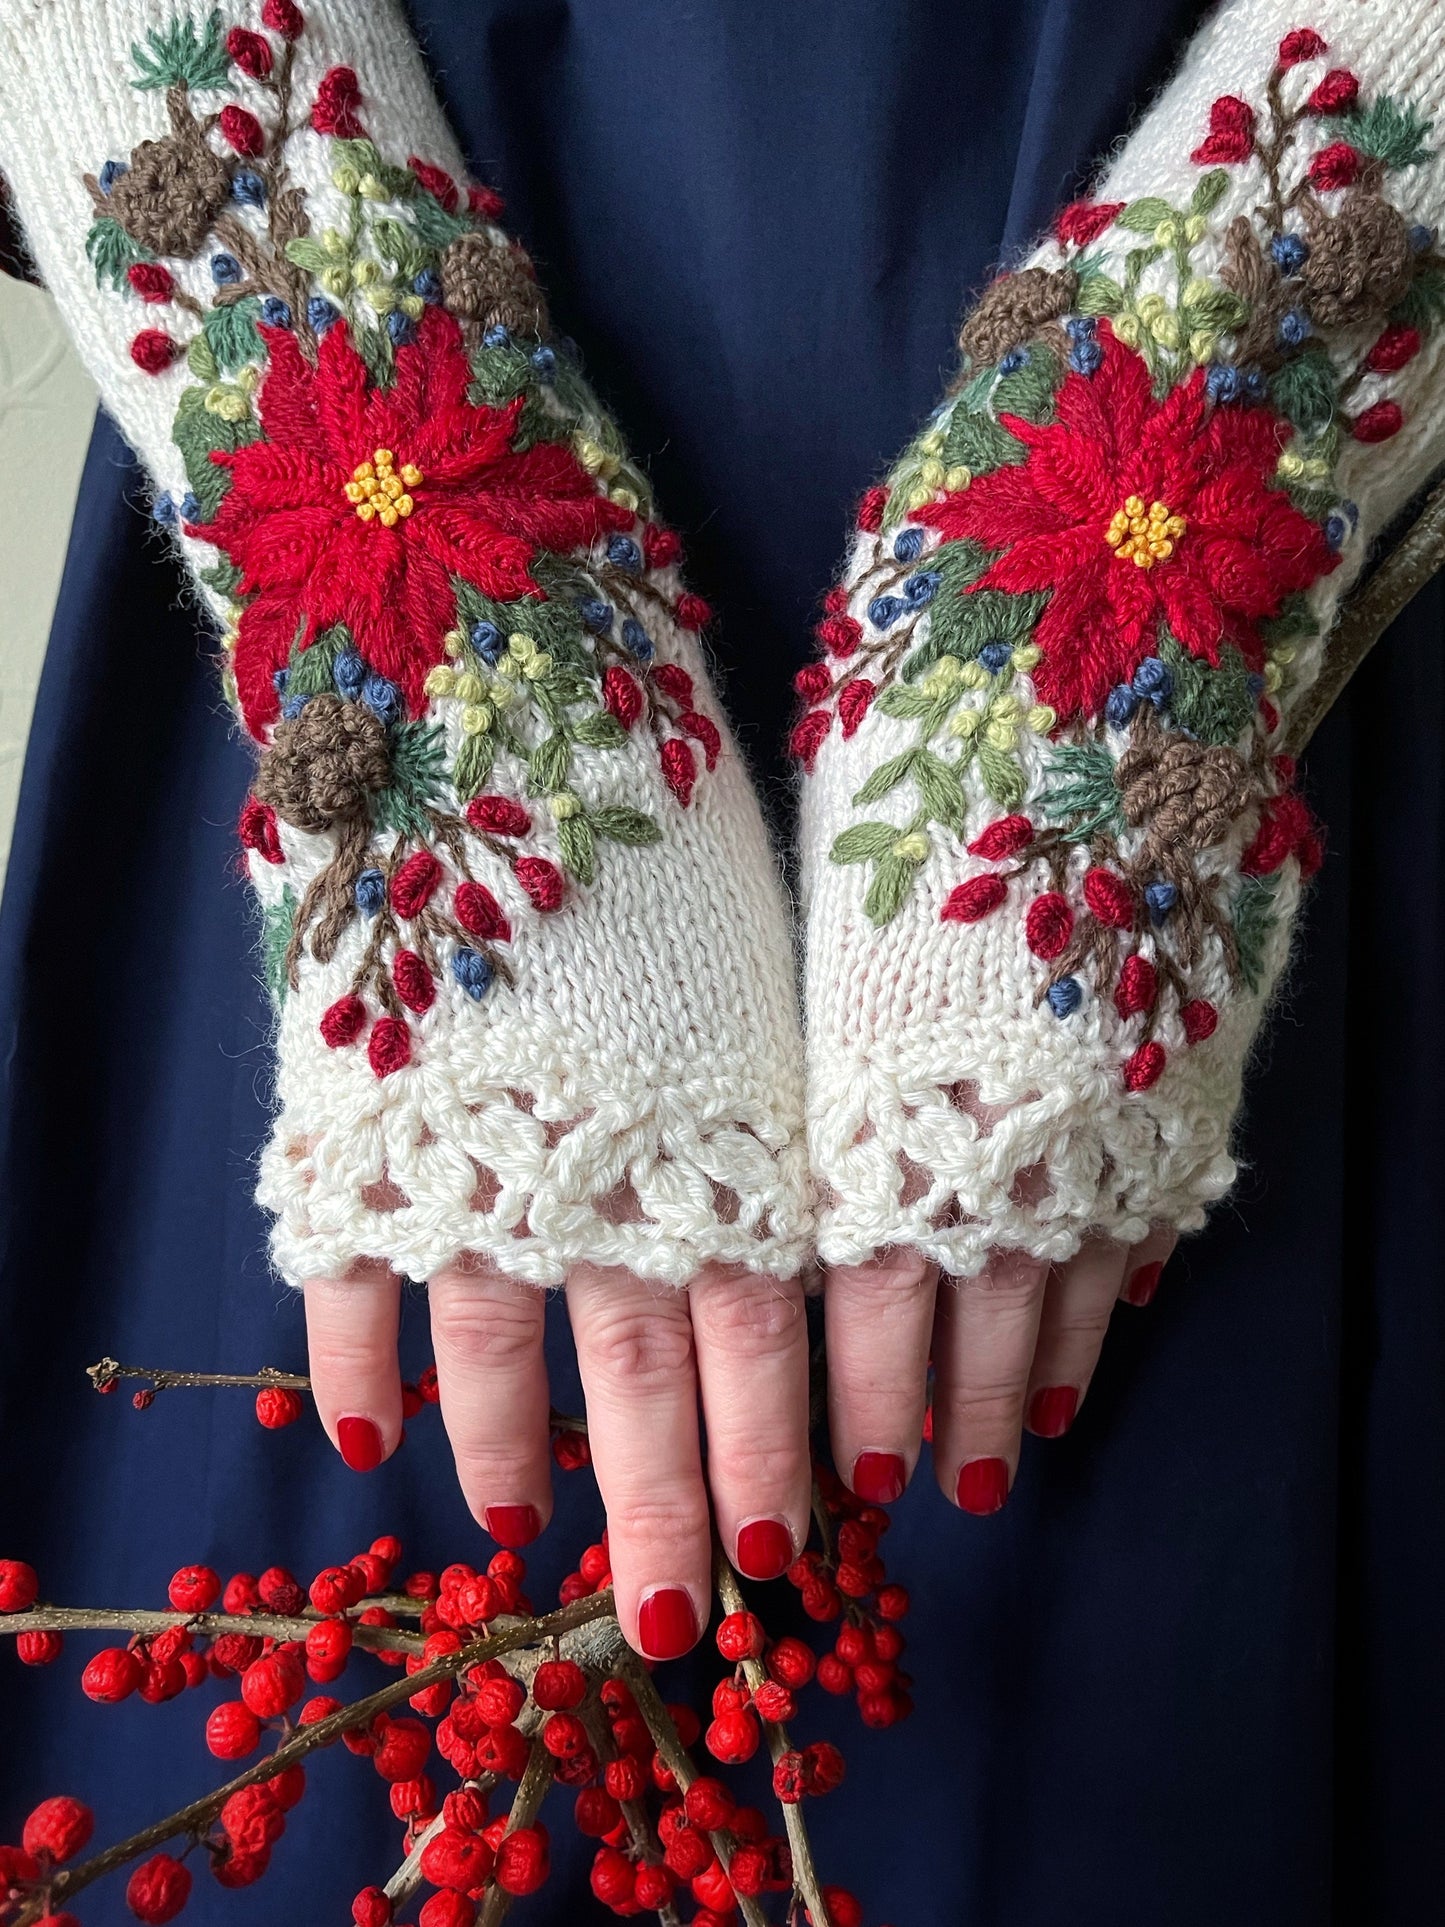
(1065, 996)
(370, 892)
(498, 337)
(1153, 681)
(909, 545)
(488, 641)
(1222, 384)
(248, 188)
(884, 610)
(1081, 327)
(348, 672)
(921, 588)
(279, 680)
(596, 615)
(1255, 385)
(225, 269)
(1085, 357)
(275, 312)
(995, 656)
(190, 508)
(164, 511)
(1422, 238)
(1290, 253)
(382, 698)
(401, 328)
(1160, 899)
(1255, 685)
(1121, 705)
(293, 706)
(473, 973)
(637, 639)
(544, 365)
(321, 314)
(1337, 530)
(1294, 325)
(1015, 359)
(428, 284)
(623, 553)
(111, 173)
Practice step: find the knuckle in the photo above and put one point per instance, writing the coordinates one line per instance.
(503, 1331)
(647, 1519)
(747, 1463)
(340, 1357)
(1084, 1325)
(641, 1348)
(752, 1315)
(987, 1407)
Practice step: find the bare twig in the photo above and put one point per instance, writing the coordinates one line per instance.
(106, 1370)
(147, 1623)
(526, 1803)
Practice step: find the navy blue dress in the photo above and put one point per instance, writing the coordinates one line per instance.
(1192, 1672)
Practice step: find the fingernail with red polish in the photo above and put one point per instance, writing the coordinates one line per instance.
(765, 1548)
(667, 1622)
(513, 1525)
(1052, 1409)
(1142, 1284)
(879, 1477)
(982, 1485)
(360, 1443)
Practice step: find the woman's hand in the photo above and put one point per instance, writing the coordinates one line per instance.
(1012, 1348)
(646, 1354)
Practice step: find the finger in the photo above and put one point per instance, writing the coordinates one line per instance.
(984, 1338)
(492, 1381)
(878, 1318)
(1078, 1299)
(1144, 1264)
(751, 1336)
(635, 1354)
(351, 1339)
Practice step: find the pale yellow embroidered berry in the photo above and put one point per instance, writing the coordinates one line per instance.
(913, 848)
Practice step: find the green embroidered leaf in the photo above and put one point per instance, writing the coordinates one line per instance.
(435, 228)
(181, 55)
(198, 433)
(201, 361)
(1423, 304)
(979, 443)
(230, 332)
(906, 703)
(223, 577)
(473, 765)
(599, 732)
(960, 625)
(1253, 911)
(892, 880)
(1080, 790)
(940, 791)
(1208, 190)
(1293, 623)
(418, 770)
(1216, 309)
(311, 671)
(308, 254)
(1142, 217)
(397, 243)
(863, 843)
(887, 777)
(1315, 502)
(576, 848)
(1306, 391)
(111, 251)
(1099, 293)
(548, 764)
(376, 349)
(626, 826)
(1002, 777)
(365, 160)
(1387, 130)
(1135, 262)
(500, 374)
(1029, 390)
(277, 922)
(1216, 705)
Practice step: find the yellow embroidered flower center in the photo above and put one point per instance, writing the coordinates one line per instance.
(1144, 536)
(378, 488)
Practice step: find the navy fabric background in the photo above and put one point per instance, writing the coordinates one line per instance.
(1193, 1670)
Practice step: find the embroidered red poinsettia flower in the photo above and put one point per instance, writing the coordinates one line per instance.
(324, 530)
(1135, 512)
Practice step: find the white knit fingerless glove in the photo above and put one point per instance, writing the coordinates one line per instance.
(521, 920)
(1052, 851)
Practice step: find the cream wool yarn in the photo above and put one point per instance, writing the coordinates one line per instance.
(1005, 1050)
(542, 1003)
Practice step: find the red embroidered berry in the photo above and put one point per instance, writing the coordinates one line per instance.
(193, 1589)
(807, 737)
(703, 730)
(661, 547)
(1084, 221)
(1397, 344)
(250, 51)
(242, 130)
(559, 1686)
(151, 281)
(1145, 1067)
(679, 769)
(153, 351)
(870, 510)
(1301, 43)
(1109, 898)
(437, 182)
(479, 913)
(38, 1649)
(1336, 93)
(741, 1636)
(486, 202)
(542, 881)
(1379, 423)
(1199, 1018)
(414, 883)
(733, 1738)
(389, 1047)
(839, 633)
(1049, 925)
(19, 1586)
(691, 612)
(1137, 988)
(371, 1908)
(277, 1406)
(337, 98)
(673, 680)
(259, 831)
(854, 699)
(523, 1860)
(414, 982)
(1231, 133)
(972, 901)
(813, 682)
(113, 1674)
(621, 695)
(158, 1889)
(58, 1827)
(1003, 838)
(283, 17)
(343, 1022)
(1337, 165)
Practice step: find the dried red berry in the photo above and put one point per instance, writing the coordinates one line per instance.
(402, 1749)
(523, 1860)
(58, 1827)
(452, 1858)
(612, 1879)
(741, 1636)
(328, 1646)
(277, 1406)
(281, 1592)
(371, 1908)
(271, 1684)
(194, 1589)
(19, 1586)
(38, 1649)
(158, 1889)
(792, 1662)
(113, 1674)
(559, 1686)
(733, 1738)
(708, 1804)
